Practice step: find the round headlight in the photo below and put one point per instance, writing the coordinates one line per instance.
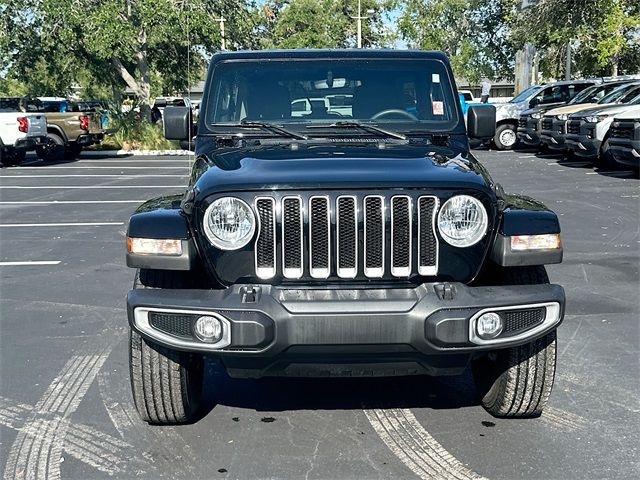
(462, 221)
(229, 223)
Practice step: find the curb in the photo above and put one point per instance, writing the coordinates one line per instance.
(130, 153)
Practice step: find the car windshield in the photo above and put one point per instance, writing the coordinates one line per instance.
(9, 104)
(591, 94)
(523, 95)
(408, 94)
(616, 95)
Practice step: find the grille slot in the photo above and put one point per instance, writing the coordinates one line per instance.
(517, 321)
(347, 237)
(374, 244)
(319, 237)
(401, 247)
(427, 241)
(292, 237)
(573, 127)
(522, 122)
(547, 124)
(350, 236)
(265, 255)
(621, 130)
(178, 325)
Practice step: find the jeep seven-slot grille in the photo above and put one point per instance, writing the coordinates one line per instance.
(346, 236)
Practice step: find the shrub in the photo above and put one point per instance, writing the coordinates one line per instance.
(135, 133)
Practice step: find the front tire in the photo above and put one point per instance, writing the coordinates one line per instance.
(166, 384)
(517, 381)
(505, 137)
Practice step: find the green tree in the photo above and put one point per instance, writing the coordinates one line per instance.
(320, 23)
(146, 45)
(604, 34)
(473, 33)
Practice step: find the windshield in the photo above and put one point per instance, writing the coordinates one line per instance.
(617, 94)
(523, 95)
(409, 94)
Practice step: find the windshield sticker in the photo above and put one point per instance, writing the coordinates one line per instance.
(438, 108)
(435, 77)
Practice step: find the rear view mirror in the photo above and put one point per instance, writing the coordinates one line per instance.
(177, 123)
(481, 121)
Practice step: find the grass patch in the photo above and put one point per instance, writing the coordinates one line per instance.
(133, 133)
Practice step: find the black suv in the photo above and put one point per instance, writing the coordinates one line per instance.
(351, 238)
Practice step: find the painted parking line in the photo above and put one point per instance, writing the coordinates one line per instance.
(115, 167)
(415, 447)
(22, 187)
(31, 262)
(613, 173)
(64, 202)
(70, 224)
(140, 160)
(109, 175)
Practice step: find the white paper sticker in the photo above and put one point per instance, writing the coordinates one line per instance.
(438, 108)
(435, 77)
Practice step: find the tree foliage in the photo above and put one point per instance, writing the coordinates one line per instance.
(321, 23)
(474, 33)
(604, 34)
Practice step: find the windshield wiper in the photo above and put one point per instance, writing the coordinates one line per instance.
(363, 126)
(271, 127)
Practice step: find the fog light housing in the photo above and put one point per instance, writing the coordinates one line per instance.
(208, 329)
(489, 325)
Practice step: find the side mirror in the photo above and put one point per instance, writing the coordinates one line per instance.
(160, 102)
(481, 121)
(177, 123)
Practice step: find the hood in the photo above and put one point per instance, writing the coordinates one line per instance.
(338, 167)
(510, 110)
(608, 109)
(567, 109)
(542, 108)
(631, 114)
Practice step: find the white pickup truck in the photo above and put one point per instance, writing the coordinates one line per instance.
(20, 130)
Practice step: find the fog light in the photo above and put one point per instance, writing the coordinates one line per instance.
(489, 325)
(208, 329)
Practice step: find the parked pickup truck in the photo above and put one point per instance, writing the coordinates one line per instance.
(624, 138)
(69, 130)
(20, 131)
(373, 244)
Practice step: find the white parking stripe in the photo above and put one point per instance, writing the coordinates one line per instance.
(28, 263)
(109, 175)
(77, 224)
(415, 447)
(115, 167)
(60, 187)
(59, 202)
(169, 160)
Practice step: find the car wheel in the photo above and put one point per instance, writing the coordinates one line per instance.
(505, 137)
(166, 384)
(54, 150)
(517, 381)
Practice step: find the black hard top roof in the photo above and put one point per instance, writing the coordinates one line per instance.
(329, 53)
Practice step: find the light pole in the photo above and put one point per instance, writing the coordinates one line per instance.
(359, 18)
(223, 41)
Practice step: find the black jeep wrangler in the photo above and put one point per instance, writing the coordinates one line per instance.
(336, 224)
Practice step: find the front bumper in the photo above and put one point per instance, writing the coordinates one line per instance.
(272, 331)
(585, 143)
(554, 138)
(625, 151)
(529, 134)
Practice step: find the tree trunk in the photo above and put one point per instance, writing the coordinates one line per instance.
(145, 83)
(614, 70)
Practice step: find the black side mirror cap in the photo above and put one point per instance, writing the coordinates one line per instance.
(481, 121)
(177, 123)
(160, 102)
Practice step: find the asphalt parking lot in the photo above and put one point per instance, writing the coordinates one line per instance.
(65, 404)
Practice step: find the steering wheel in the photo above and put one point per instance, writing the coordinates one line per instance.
(394, 111)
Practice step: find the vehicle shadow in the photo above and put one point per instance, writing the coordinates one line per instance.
(618, 171)
(280, 394)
